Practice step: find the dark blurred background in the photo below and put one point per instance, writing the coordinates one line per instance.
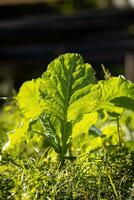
(34, 32)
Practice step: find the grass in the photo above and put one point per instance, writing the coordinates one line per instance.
(103, 174)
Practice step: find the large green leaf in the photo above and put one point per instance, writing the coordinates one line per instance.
(66, 81)
(112, 95)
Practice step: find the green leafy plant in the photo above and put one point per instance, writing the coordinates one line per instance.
(66, 101)
(68, 113)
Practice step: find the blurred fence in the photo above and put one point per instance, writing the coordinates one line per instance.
(31, 36)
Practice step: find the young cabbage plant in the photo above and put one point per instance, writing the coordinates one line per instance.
(67, 100)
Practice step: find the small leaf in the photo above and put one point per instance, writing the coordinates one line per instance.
(94, 143)
(28, 98)
(110, 131)
(50, 132)
(16, 137)
(83, 126)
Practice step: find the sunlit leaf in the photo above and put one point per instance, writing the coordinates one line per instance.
(28, 98)
(110, 131)
(114, 94)
(16, 137)
(95, 142)
(64, 85)
(83, 126)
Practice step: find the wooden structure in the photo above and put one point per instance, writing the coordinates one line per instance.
(32, 35)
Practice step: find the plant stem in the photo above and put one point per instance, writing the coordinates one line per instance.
(113, 186)
(118, 131)
(107, 75)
